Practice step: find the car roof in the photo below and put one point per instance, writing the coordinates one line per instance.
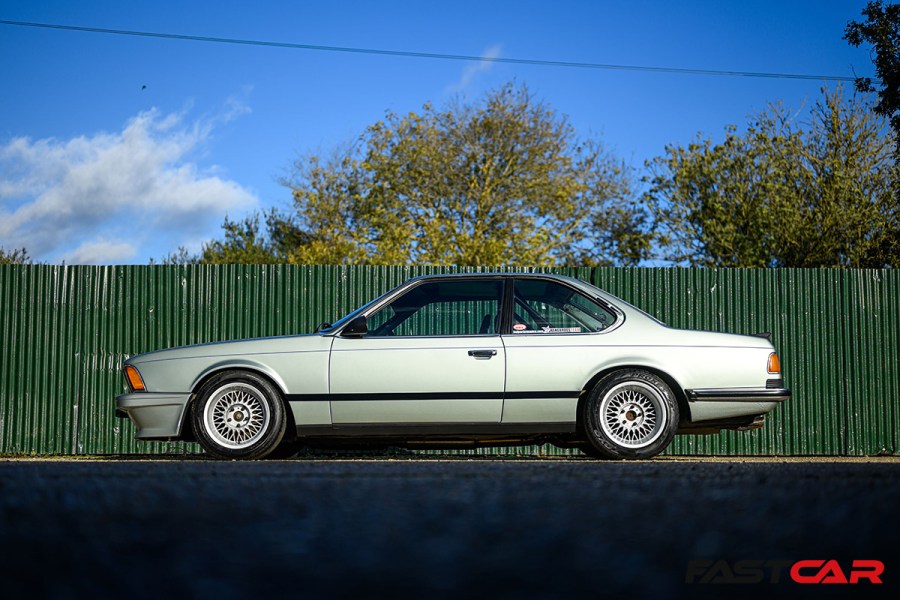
(493, 275)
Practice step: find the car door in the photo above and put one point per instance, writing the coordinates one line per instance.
(433, 355)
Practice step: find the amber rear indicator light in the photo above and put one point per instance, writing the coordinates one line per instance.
(137, 384)
(774, 363)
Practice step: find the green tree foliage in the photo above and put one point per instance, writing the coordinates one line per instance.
(243, 243)
(881, 29)
(501, 181)
(16, 256)
(784, 193)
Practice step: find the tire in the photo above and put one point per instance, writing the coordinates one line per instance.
(238, 415)
(630, 414)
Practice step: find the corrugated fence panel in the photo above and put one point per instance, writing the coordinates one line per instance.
(870, 362)
(813, 362)
(66, 331)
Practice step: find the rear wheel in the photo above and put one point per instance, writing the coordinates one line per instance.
(238, 414)
(629, 414)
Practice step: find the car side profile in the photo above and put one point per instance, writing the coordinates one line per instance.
(450, 361)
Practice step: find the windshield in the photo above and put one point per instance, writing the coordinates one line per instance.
(349, 317)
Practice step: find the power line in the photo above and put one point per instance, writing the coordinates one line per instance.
(433, 55)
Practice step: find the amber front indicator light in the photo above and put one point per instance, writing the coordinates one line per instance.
(137, 384)
(774, 363)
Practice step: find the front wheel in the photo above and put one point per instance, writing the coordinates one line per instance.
(238, 414)
(629, 414)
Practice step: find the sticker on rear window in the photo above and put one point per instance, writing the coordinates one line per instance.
(546, 329)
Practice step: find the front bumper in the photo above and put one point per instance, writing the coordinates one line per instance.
(157, 416)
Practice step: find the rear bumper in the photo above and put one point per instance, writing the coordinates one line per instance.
(711, 404)
(738, 395)
(157, 416)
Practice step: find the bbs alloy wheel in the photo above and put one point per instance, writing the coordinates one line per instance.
(629, 414)
(238, 414)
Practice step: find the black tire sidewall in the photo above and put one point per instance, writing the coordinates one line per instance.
(600, 444)
(269, 440)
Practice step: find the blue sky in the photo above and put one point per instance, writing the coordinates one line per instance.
(97, 168)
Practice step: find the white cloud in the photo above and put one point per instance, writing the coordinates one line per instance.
(99, 252)
(99, 198)
(475, 68)
(236, 106)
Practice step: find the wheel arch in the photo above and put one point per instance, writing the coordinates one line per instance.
(246, 366)
(684, 411)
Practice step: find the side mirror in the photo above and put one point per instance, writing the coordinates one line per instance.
(358, 327)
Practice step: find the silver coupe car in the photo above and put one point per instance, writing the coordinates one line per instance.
(449, 361)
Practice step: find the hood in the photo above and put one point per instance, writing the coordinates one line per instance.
(267, 345)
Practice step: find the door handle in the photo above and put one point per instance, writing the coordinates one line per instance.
(482, 353)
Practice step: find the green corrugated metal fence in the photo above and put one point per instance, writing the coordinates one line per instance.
(66, 330)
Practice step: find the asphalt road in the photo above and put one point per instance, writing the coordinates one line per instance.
(553, 528)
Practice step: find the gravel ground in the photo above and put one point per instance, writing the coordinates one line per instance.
(433, 528)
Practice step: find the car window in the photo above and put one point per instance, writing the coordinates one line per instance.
(543, 306)
(442, 308)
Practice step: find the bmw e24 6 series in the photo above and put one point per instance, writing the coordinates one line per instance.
(448, 361)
